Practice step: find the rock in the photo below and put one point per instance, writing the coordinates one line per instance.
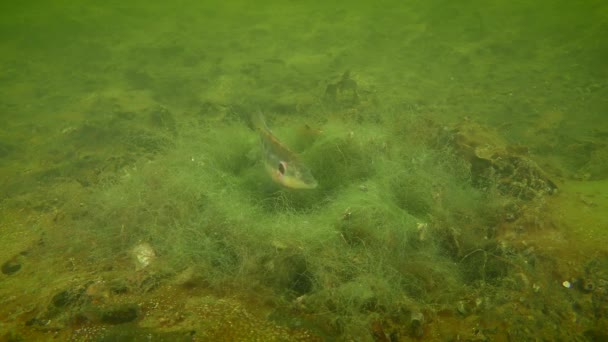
(587, 285)
(11, 267)
(62, 298)
(416, 321)
(143, 254)
(493, 159)
(120, 314)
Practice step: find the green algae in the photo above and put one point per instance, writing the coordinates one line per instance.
(109, 143)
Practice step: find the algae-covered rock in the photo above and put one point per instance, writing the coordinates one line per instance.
(120, 314)
(492, 159)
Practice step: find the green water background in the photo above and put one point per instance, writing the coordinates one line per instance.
(506, 64)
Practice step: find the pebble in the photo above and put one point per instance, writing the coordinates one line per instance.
(11, 267)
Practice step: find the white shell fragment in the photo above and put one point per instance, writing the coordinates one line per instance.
(143, 254)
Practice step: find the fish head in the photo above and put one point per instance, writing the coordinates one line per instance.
(292, 175)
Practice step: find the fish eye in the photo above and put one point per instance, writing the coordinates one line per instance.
(282, 168)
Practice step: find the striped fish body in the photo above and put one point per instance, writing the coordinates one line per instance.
(281, 163)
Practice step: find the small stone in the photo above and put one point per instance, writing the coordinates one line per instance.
(417, 320)
(566, 284)
(461, 308)
(11, 267)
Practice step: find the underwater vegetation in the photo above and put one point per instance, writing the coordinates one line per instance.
(410, 229)
(400, 231)
(422, 175)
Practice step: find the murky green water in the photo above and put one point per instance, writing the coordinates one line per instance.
(460, 151)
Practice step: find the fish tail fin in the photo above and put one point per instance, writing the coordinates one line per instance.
(258, 121)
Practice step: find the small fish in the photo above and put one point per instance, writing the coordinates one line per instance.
(281, 163)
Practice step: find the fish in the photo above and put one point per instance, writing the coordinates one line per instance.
(281, 163)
